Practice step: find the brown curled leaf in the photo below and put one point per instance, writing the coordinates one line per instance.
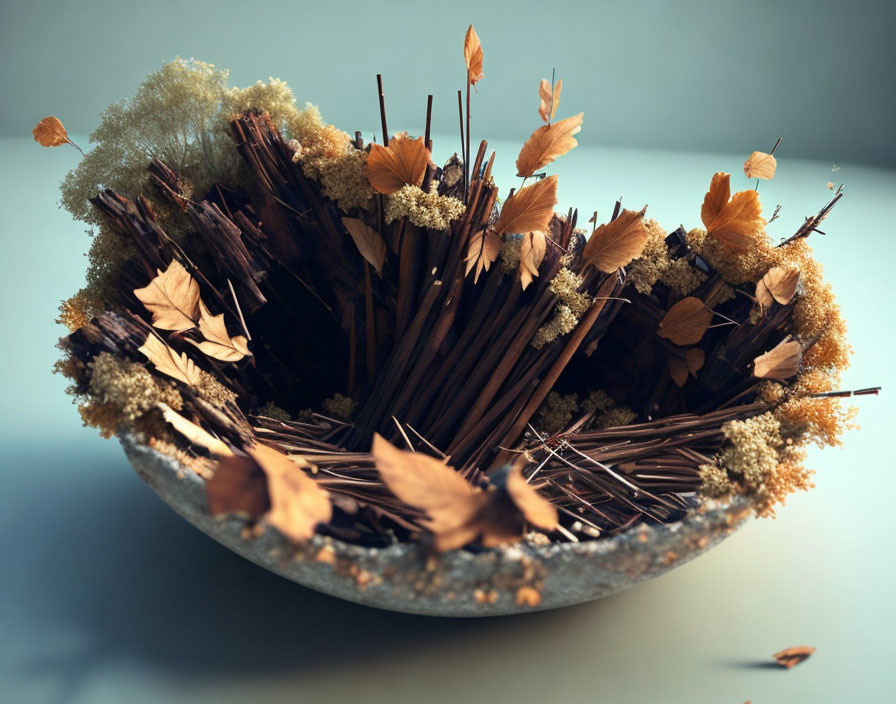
(547, 143)
(760, 165)
(685, 322)
(616, 243)
(733, 220)
(402, 163)
(781, 362)
(530, 209)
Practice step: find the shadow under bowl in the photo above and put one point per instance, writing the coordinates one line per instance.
(404, 577)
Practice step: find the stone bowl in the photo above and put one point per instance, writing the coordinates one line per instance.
(403, 577)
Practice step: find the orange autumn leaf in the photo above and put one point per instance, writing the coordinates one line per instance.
(172, 297)
(369, 242)
(484, 248)
(547, 143)
(168, 361)
(50, 132)
(238, 486)
(780, 363)
(532, 250)
(549, 96)
(793, 656)
(530, 209)
(760, 165)
(402, 163)
(733, 220)
(685, 322)
(218, 343)
(778, 284)
(535, 508)
(473, 56)
(617, 242)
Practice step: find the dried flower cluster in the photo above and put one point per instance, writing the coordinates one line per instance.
(280, 306)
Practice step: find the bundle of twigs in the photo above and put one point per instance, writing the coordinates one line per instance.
(537, 376)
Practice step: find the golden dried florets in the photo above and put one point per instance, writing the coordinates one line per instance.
(339, 406)
(556, 412)
(423, 209)
(129, 386)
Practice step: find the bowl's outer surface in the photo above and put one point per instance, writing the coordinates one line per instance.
(403, 577)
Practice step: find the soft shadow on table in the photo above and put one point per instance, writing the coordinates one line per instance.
(101, 557)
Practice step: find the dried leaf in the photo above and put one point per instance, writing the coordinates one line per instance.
(695, 359)
(778, 283)
(368, 241)
(535, 508)
(678, 370)
(550, 98)
(172, 297)
(532, 251)
(450, 502)
(218, 344)
(781, 362)
(192, 432)
(735, 221)
(530, 209)
(49, 132)
(793, 656)
(616, 243)
(547, 143)
(484, 248)
(238, 486)
(403, 162)
(473, 56)
(760, 165)
(763, 295)
(685, 322)
(167, 361)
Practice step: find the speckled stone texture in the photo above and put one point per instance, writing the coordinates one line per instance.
(402, 577)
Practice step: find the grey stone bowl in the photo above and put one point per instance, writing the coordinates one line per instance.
(402, 577)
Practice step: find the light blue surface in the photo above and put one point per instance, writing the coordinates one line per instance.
(106, 596)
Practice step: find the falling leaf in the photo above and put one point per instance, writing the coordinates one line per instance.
(695, 359)
(550, 98)
(685, 322)
(450, 502)
(238, 486)
(530, 209)
(760, 165)
(778, 284)
(532, 251)
(547, 143)
(368, 241)
(780, 363)
(402, 163)
(616, 243)
(167, 361)
(298, 504)
(735, 221)
(218, 343)
(172, 297)
(793, 656)
(49, 132)
(484, 248)
(192, 432)
(473, 56)
(534, 507)
(678, 370)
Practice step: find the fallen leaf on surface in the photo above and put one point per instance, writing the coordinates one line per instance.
(484, 248)
(167, 361)
(617, 242)
(532, 250)
(172, 297)
(194, 433)
(547, 143)
(218, 343)
(402, 163)
(733, 220)
(793, 656)
(760, 165)
(685, 322)
(529, 209)
(369, 242)
(781, 362)
(473, 56)
(778, 284)
(550, 98)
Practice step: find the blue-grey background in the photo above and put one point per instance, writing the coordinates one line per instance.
(106, 596)
(674, 74)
